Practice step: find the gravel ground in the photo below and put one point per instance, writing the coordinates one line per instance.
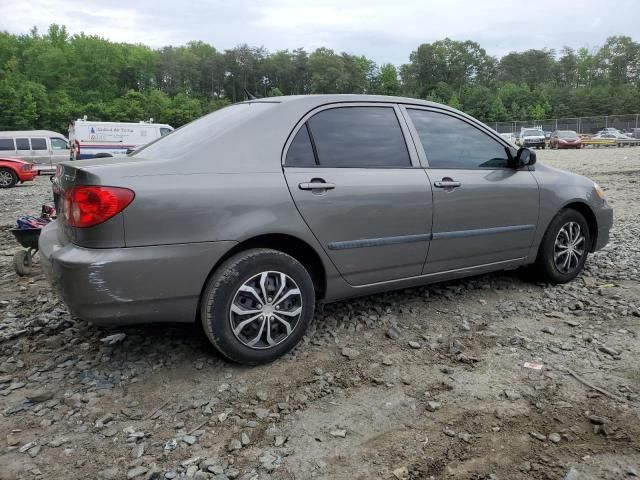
(421, 383)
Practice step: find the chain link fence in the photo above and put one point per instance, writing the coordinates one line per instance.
(582, 125)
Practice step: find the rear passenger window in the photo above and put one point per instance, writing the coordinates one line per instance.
(300, 152)
(359, 137)
(38, 144)
(6, 144)
(22, 144)
(450, 142)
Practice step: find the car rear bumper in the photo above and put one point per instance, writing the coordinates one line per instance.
(129, 285)
(604, 220)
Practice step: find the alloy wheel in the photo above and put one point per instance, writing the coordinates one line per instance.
(569, 247)
(265, 310)
(6, 178)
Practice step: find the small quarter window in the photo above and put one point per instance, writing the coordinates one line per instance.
(300, 152)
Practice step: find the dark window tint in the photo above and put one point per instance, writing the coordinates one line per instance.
(165, 131)
(6, 144)
(38, 144)
(452, 143)
(300, 152)
(359, 137)
(22, 144)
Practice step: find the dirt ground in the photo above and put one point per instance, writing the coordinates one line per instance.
(355, 400)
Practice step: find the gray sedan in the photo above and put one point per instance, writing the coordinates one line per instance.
(246, 218)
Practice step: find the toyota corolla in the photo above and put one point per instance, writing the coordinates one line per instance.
(248, 217)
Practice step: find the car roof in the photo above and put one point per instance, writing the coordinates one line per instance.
(317, 100)
(30, 133)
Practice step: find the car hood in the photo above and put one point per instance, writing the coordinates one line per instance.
(13, 160)
(561, 176)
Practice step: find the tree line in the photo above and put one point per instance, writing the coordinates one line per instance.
(48, 79)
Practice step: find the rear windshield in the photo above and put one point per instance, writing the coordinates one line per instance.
(567, 134)
(203, 129)
(533, 133)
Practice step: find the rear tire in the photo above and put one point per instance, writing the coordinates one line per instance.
(564, 248)
(8, 178)
(257, 306)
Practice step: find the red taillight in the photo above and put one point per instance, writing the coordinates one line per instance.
(86, 206)
(26, 167)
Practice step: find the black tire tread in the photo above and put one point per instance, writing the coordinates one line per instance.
(223, 274)
(544, 270)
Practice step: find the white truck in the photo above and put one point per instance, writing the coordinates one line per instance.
(89, 139)
(532, 137)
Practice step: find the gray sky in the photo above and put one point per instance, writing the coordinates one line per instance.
(383, 30)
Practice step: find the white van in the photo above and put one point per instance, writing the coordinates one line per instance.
(91, 139)
(43, 148)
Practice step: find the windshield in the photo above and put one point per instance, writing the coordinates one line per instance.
(533, 133)
(203, 129)
(567, 134)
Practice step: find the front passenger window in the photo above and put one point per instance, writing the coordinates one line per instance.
(59, 144)
(449, 142)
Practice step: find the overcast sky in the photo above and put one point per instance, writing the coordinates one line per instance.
(383, 30)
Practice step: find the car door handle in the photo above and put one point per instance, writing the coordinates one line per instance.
(447, 183)
(316, 186)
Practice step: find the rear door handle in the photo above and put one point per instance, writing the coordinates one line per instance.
(447, 183)
(316, 186)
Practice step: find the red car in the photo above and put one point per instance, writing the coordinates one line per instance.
(565, 139)
(13, 171)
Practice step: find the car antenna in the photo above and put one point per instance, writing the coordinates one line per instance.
(249, 95)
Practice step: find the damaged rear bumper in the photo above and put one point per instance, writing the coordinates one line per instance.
(129, 285)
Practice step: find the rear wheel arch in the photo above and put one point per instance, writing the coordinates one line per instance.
(289, 244)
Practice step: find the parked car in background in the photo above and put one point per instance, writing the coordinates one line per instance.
(611, 136)
(43, 148)
(532, 138)
(610, 131)
(247, 217)
(14, 171)
(91, 139)
(565, 139)
(509, 137)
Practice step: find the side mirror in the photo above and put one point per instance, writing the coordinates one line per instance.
(524, 157)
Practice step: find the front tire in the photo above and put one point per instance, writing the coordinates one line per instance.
(8, 178)
(257, 306)
(564, 248)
